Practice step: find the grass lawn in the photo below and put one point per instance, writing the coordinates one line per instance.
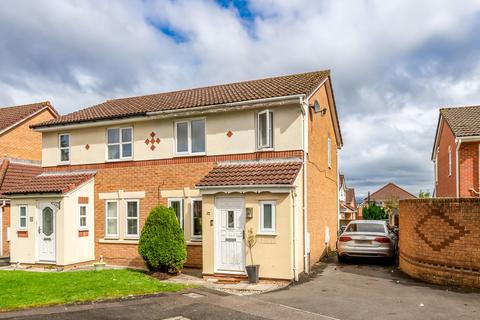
(23, 289)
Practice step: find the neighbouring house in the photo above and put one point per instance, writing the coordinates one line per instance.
(388, 193)
(20, 154)
(257, 155)
(348, 203)
(457, 137)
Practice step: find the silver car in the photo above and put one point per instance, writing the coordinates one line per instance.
(367, 238)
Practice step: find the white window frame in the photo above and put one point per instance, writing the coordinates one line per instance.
(80, 227)
(329, 152)
(449, 161)
(189, 137)
(108, 235)
(269, 144)
(120, 143)
(193, 236)
(127, 235)
(60, 148)
(272, 230)
(20, 227)
(170, 200)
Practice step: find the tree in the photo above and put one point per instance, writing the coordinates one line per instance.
(424, 194)
(374, 212)
(391, 205)
(162, 244)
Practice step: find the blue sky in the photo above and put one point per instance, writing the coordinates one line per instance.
(394, 63)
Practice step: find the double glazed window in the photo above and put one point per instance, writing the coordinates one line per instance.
(177, 205)
(119, 143)
(112, 218)
(82, 217)
(190, 136)
(64, 147)
(265, 129)
(267, 217)
(132, 218)
(196, 219)
(23, 217)
(329, 152)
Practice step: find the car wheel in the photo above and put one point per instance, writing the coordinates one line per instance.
(341, 259)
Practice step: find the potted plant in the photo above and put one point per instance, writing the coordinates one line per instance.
(100, 265)
(253, 269)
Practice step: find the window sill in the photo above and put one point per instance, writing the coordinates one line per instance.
(118, 241)
(265, 149)
(119, 160)
(273, 234)
(190, 154)
(194, 243)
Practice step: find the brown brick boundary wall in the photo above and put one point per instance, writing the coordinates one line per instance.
(440, 240)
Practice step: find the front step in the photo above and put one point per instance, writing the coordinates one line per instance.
(225, 280)
(4, 261)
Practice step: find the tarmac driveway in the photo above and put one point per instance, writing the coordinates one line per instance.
(353, 291)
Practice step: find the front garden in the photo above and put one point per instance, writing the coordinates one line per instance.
(25, 289)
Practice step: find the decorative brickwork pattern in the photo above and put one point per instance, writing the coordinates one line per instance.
(440, 240)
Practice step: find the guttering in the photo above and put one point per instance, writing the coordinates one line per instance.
(306, 238)
(246, 188)
(175, 113)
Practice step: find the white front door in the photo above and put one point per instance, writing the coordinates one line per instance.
(230, 228)
(46, 232)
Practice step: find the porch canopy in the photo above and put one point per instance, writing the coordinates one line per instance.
(276, 175)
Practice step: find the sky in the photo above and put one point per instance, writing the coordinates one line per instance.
(393, 63)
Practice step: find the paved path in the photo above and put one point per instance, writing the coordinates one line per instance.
(336, 292)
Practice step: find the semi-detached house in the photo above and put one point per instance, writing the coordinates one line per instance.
(257, 156)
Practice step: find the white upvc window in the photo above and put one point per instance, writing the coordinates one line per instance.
(449, 161)
(190, 137)
(196, 219)
(177, 205)
(268, 217)
(329, 152)
(111, 218)
(22, 214)
(119, 143)
(132, 218)
(82, 216)
(265, 129)
(64, 147)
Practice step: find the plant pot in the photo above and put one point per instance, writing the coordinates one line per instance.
(253, 272)
(99, 266)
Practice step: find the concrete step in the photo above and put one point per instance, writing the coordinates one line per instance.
(4, 261)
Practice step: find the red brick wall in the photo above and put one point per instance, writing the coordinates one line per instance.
(151, 177)
(440, 240)
(5, 225)
(468, 168)
(446, 184)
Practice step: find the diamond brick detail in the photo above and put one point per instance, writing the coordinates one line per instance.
(147, 141)
(229, 134)
(152, 147)
(152, 134)
(87, 146)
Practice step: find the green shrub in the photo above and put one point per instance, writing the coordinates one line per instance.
(374, 212)
(162, 244)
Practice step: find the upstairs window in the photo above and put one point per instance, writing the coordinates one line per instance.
(119, 143)
(265, 129)
(64, 146)
(190, 136)
(449, 161)
(329, 152)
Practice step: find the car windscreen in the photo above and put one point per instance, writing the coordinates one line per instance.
(366, 227)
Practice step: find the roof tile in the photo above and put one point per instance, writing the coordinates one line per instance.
(11, 115)
(464, 121)
(304, 83)
(16, 174)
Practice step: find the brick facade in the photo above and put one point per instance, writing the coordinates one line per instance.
(322, 184)
(468, 155)
(440, 240)
(151, 177)
(5, 225)
(22, 142)
(446, 184)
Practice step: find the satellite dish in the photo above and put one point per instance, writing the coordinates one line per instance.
(316, 106)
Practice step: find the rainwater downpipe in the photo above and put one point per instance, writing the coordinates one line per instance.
(2, 205)
(457, 167)
(306, 245)
(295, 213)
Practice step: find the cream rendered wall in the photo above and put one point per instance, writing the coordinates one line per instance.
(274, 253)
(75, 249)
(287, 136)
(24, 250)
